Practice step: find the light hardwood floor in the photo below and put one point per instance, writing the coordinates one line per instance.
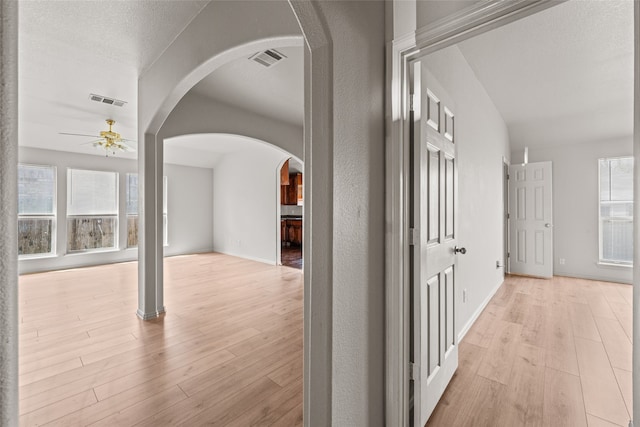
(545, 353)
(228, 351)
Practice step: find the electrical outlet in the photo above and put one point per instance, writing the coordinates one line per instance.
(464, 295)
(561, 261)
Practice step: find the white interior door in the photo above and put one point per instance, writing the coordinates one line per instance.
(434, 238)
(530, 215)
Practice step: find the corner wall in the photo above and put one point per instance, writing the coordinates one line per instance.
(246, 203)
(483, 142)
(189, 209)
(575, 206)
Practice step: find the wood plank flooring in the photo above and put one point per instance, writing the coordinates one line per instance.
(545, 353)
(228, 351)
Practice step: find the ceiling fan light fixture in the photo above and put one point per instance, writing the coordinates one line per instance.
(108, 140)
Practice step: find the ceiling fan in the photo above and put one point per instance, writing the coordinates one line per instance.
(108, 140)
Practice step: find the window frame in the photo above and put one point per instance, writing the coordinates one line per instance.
(165, 211)
(116, 216)
(53, 217)
(601, 259)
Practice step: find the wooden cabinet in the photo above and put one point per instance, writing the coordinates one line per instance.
(291, 232)
(291, 194)
(284, 174)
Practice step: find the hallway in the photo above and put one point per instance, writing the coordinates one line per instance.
(545, 353)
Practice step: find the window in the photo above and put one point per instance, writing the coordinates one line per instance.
(92, 210)
(36, 209)
(616, 210)
(132, 210)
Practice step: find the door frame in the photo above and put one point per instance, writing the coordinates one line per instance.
(474, 20)
(506, 254)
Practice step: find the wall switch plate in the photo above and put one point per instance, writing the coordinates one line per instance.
(562, 261)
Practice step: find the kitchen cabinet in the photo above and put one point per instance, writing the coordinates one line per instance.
(291, 232)
(291, 194)
(284, 174)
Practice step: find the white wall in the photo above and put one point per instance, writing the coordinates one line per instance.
(483, 141)
(189, 209)
(246, 203)
(575, 206)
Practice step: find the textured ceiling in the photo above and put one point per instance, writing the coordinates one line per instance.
(276, 92)
(69, 49)
(562, 76)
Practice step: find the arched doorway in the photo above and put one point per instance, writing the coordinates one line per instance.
(160, 90)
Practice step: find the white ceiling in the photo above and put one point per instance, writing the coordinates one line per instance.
(276, 92)
(69, 49)
(205, 150)
(544, 73)
(561, 76)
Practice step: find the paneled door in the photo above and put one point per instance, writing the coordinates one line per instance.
(433, 242)
(530, 216)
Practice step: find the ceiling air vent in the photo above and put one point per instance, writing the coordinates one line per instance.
(106, 100)
(268, 58)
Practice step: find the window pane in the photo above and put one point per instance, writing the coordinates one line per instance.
(36, 189)
(92, 192)
(34, 236)
(621, 179)
(616, 210)
(85, 233)
(617, 240)
(132, 209)
(132, 194)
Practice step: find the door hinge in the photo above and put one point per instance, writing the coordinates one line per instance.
(508, 177)
(413, 371)
(414, 236)
(508, 254)
(508, 216)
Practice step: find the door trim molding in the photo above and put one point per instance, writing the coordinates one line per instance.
(469, 22)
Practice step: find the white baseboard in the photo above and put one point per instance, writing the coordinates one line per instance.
(477, 313)
(251, 258)
(593, 277)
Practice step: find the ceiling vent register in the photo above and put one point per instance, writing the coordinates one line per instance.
(107, 100)
(268, 58)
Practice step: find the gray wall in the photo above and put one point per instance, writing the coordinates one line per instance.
(575, 206)
(357, 29)
(483, 142)
(190, 195)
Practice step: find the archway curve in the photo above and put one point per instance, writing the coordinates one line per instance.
(246, 179)
(193, 55)
(243, 136)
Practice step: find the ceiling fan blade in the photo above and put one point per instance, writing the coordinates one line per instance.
(127, 147)
(79, 134)
(91, 142)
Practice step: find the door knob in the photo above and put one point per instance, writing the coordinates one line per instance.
(459, 250)
(548, 225)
